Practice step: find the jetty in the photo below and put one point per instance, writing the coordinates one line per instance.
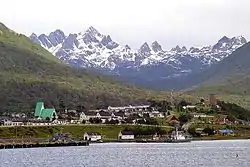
(48, 144)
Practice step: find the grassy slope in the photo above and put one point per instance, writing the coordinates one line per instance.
(229, 79)
(107, 131)
(28, 73)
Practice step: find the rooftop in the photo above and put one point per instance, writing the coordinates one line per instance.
(127, 133)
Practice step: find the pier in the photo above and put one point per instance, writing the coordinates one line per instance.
(49, 144)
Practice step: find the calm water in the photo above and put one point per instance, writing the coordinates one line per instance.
(199, 153)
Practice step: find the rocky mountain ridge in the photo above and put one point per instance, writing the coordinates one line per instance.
(93, 50)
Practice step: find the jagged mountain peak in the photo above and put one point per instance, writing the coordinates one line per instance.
(224, 39)
(145, 48)
(33, 35)
(179, 49)
(42, 35)
(240, 39)
(70, 42)
(226, 43)
(184, 48)
(106, 40)
(57, 37)
(156, 47)
(91, 49)
(127, 47)
(92, 31)
(194, 50)
(57, 31)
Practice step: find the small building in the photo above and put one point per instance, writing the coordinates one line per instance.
(156, 114)
(44, 113)
(126, 135)
(125, 108)
(201, 115)
(92, 136)
(39, 122)
(226, 132)
(200, 132)
(9, 122)
(119, 115)
(105, 115)
(87, 115)
(172, 119)
(189, 107)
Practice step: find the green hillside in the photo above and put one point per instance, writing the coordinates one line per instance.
(232, 75)
(229, 79)
(29, 73)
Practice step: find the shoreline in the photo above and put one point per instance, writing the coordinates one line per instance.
(87, 143)
(37, 134)
(164, 141)
(221, 138)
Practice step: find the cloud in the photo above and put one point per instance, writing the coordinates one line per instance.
(183, 22)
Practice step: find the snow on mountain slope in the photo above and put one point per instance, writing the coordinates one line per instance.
(91, 49)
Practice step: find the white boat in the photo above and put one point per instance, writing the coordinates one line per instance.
(178, 137)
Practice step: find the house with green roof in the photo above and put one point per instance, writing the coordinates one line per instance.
(44, 113)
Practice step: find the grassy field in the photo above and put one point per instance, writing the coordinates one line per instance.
(107, 131)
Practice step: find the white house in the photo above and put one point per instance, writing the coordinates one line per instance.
(156, 114)
(201, 115)
(128, 107)
(11, 123)
(126, 135)
(119, 115)
(189, 106)
(105, 115)
(92, 136)
(87, 115)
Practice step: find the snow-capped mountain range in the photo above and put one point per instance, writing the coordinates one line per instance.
(91, 49)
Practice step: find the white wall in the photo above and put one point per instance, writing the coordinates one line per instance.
(92, 138)
(127, 137)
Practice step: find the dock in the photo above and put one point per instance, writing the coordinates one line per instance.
(37, 145)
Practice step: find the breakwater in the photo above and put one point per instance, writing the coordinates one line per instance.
(49, 144)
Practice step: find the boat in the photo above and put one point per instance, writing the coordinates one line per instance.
(178, 137)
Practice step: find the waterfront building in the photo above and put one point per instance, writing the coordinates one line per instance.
(126, 135)
(92, 136)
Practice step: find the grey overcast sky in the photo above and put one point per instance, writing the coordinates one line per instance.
(133, 22)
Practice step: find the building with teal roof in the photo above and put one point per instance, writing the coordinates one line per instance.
(44, 113)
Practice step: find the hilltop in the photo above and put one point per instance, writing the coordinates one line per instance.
(28, 73)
